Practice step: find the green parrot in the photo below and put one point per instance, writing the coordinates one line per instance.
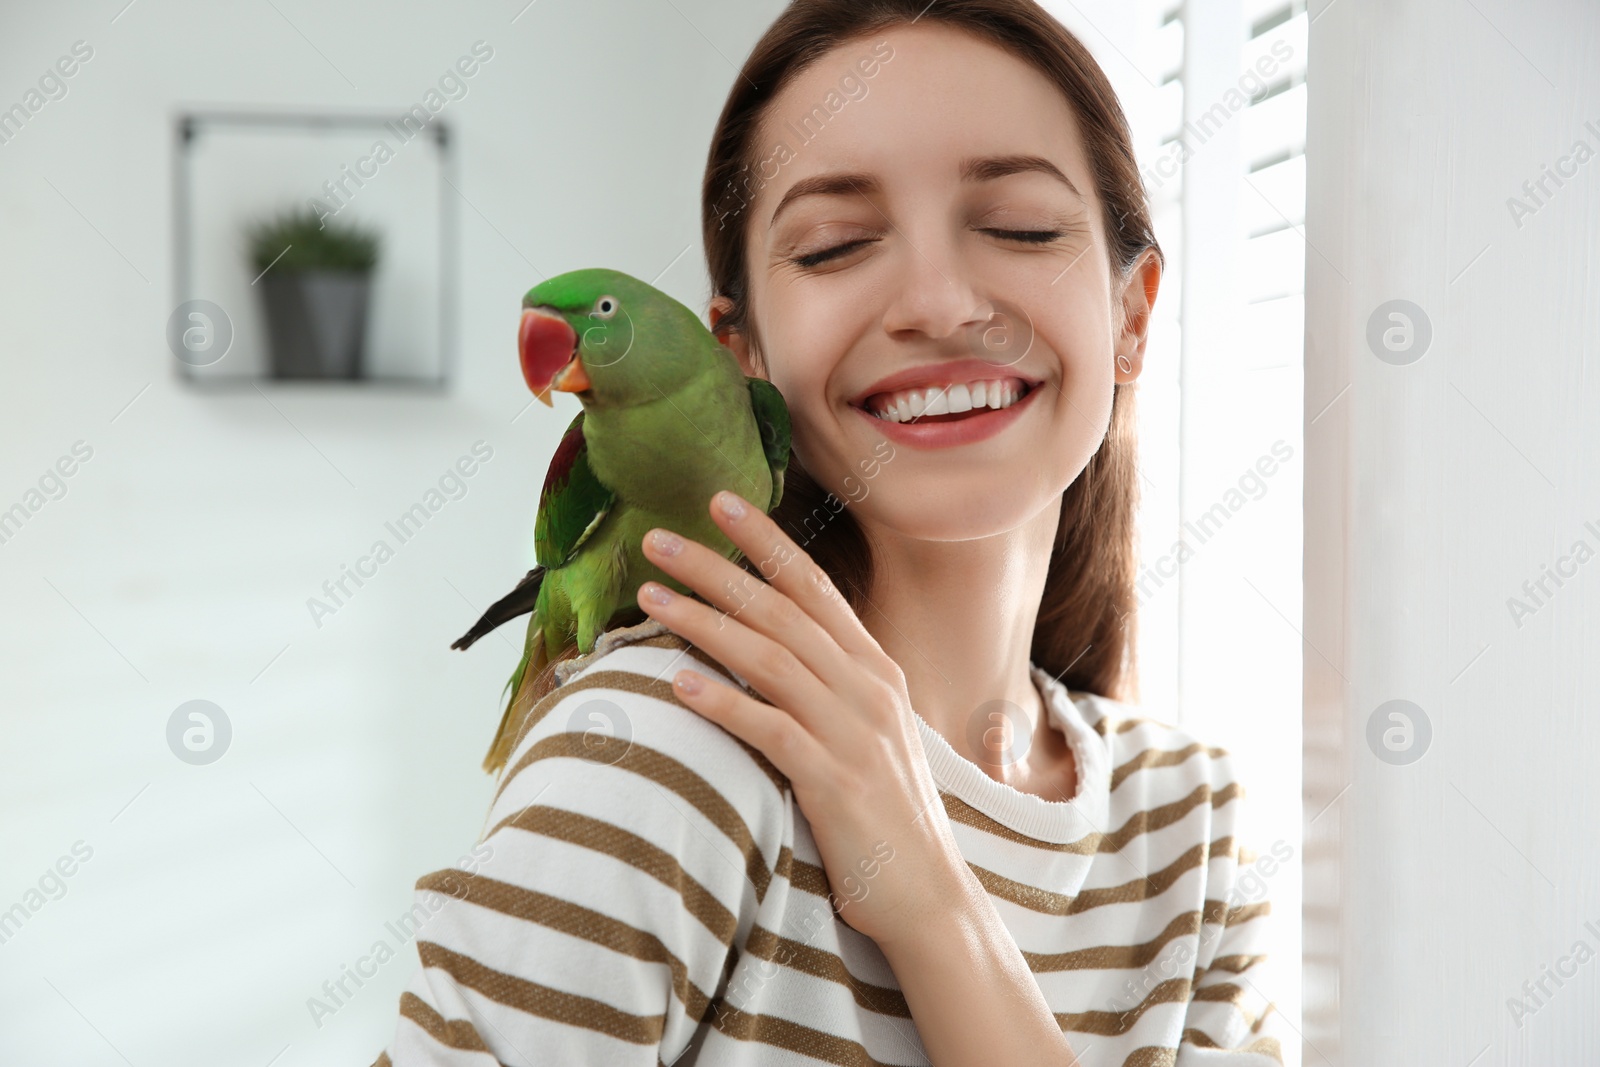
(669, 418)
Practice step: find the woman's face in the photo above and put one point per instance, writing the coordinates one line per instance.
(937, 258)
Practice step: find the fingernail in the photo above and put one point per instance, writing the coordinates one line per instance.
(731, 505)
(665, 542)
(657, 593)
(688, 681)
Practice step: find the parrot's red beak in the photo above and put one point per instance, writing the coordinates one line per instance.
(548, 346)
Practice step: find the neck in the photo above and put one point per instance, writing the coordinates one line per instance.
(958, 617)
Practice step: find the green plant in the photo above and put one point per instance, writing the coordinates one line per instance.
(311, 244)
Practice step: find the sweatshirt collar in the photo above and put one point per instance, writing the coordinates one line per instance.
(1053, 821)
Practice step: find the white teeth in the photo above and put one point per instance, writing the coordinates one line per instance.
(909, 404)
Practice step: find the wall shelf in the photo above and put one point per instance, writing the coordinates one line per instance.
(393, 172)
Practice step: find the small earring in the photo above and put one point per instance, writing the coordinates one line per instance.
(1124, 364)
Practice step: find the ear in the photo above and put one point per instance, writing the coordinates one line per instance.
(1138, 299)
(734, 340)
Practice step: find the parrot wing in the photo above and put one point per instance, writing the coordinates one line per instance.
(772, 417)
(571, 505)
(573, 501)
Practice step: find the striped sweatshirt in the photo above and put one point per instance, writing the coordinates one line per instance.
(648, 893)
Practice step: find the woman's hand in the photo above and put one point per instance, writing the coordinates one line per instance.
(837, 723)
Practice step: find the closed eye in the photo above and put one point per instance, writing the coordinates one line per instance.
(817, 258)
(1030, 236)
(814, 259)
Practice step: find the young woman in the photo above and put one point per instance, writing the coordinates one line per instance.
(874, 798)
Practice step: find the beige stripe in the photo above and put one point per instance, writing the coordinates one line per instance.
(643, 684)
(668, 772)
(1235, 964)
(1116, 1023)
(542, 1001)
(1222, 993)
(627, 682)
(1218, 913)
(382, 1060)
(593, 680)
(1245, 913)
(699, 655)
(1159, 757)
(1266, 1046)
(794, 1037)
(1151, 1056)
(813, 879)
(1041, 900)
(1254, 1022)
(818, 963)
(808, 959)
(808, 877)
(1124, 725)
(452, 1033)
(1122, 957)
(1232, 995)
(1141, 822)
(575, 921)
(603, 837)
(765, 945)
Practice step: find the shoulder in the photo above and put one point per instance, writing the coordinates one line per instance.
(629, 847)
(1156, 760)
(1184, 797)
(616, 740)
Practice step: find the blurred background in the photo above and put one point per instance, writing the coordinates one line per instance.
(238, 723)
(249, 403)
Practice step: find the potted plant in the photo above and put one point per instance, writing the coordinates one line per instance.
(315, 280)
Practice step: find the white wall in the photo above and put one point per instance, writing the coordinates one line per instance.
(1434, 490)
(178, 564)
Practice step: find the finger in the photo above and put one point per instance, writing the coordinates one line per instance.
(737, 593)
(770, 668)
(792, 571)
(776, 734)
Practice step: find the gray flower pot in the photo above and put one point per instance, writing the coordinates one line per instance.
(316, 322)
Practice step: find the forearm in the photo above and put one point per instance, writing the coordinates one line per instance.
(971, 994)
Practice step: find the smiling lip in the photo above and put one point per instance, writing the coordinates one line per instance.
(947, 373)
(963, 431)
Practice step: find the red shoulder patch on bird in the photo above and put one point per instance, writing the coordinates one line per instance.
(566, 455)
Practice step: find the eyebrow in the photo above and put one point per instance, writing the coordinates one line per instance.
(974, 169)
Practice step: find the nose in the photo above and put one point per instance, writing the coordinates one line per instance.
(934, 295)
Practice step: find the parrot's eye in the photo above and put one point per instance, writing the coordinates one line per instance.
(605, 307)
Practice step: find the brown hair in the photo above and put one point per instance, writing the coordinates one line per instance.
(1083, 630)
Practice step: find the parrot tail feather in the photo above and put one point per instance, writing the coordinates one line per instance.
(534, 680)
(508, 732)
(519, 601)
